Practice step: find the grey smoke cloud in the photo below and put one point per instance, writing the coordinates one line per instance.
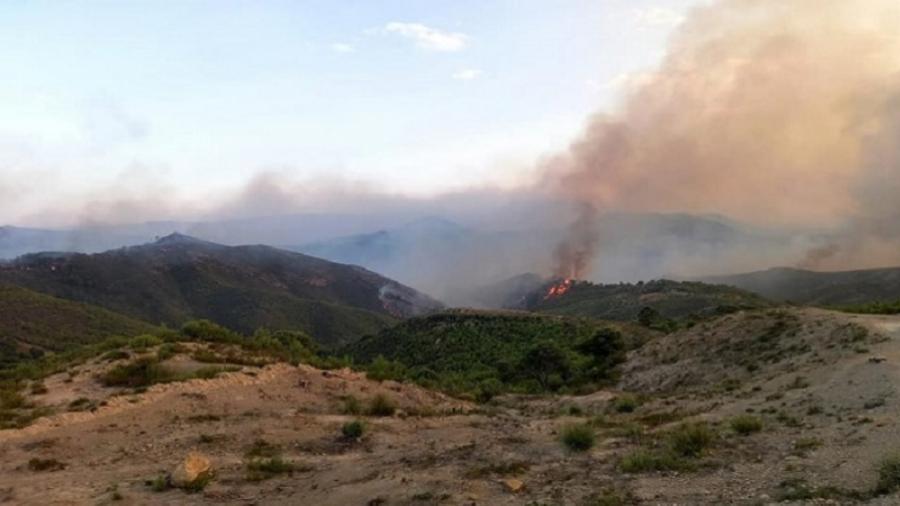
(767, 111)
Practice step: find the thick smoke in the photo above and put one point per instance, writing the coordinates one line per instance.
(770, 111)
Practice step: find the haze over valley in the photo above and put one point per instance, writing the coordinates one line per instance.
(467, 253)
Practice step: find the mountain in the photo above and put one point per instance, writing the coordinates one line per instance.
(819, 288)
(293, 229)
(31, 323)
(179, 278)
(670, 299)
(447, 259)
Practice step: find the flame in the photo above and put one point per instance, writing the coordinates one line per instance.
(559, 289)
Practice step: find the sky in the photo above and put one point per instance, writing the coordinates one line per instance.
(197, 98)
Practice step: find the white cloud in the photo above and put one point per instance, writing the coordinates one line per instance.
(467, 74)
(341, 47)
(657, 17)
(428, 38)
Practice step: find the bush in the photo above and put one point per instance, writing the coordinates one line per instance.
(691, 439)
(143, 342)
(381, 405)
(643, 461)
(166, 351)
(889, 475)
(263, 469)
(625, 404)
(352, 406)
(205, 330)
(579, 437)
(746, 424)
(382, 369)
(11, 399)
(353, 430)
(140, 373)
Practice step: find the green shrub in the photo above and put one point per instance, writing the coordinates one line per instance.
(113, 355)
(263, 469)
(205, 330)
(11, 399)
(160, 484)
(382, 369)
(578, 437)
(381, 405)
(625, 404)
(352, 406)
(644, 461)
(888, 475)
(746, 424)
(143, 342)
(353, 430)
(166, 351)
(691, 439)
(142, 372)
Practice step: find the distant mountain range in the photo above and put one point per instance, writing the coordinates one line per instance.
(455, 262)
(819, 288)
(178, 278)
(295, 228)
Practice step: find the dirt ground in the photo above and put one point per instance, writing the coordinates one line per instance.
(832, 426)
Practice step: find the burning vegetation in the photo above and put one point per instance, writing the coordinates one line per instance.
(559, 288)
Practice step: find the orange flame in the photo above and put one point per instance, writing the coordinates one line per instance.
(559, 289)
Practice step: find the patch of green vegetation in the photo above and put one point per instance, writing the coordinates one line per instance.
(33, 324)
(381, 405)
(625, 403)
(353, 430)
(266, 468)
(888, 475)
(147, 371)
(676, 450)
(885, 308)
(161, 483)
(352, 406)
(482, 354)
(578, 437)
(675, 303)
(691, 439)
(512, 468)
(144, 341)
(805, 445)
(644, 460)
(746, 424)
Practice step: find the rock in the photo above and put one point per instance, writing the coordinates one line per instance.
(513, 485)
(193, 471)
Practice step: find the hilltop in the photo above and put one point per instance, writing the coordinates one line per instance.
(671, 300)
(179, 278)
(819, 288)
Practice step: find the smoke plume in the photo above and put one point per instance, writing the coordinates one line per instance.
(769, 111)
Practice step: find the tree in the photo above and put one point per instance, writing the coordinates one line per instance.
(606, 348)
(648, 316)
(544, 362)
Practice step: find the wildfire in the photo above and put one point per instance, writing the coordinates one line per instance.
(559, 289)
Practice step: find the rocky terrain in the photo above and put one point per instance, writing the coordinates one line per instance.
(793, 406)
